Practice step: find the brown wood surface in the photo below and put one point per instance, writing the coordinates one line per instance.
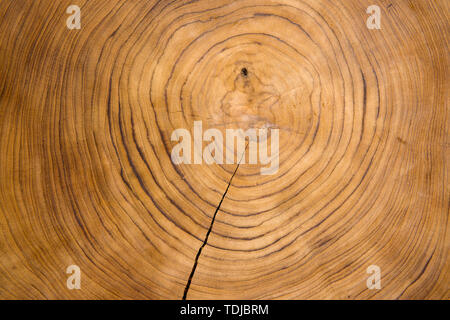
(86, 176)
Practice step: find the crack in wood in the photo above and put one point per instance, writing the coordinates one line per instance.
(194, 267)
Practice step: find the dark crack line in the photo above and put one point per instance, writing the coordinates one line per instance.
(188, 284)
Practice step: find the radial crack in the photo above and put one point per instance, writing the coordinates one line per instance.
(188, 284)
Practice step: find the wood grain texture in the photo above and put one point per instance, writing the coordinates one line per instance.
(86, 177)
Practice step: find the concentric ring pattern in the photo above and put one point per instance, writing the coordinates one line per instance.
(86, 175)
